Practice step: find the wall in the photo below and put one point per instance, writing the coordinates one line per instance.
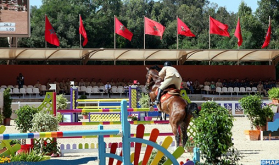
(32, 73)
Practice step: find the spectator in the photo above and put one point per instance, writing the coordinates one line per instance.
(48, 82)
(87, 83)
(57, 85)
(112, 83)
(219, 83)
(212, 87)
(38, 85)
(63, 86)
(225, 83)
(261, 89)
(118, 82)
(21, 80)
(190, 86)
(100, 83)
(197, 86)
(93, 82)
(206, 82)
(81, 83)
(108, 88)
(68, 85)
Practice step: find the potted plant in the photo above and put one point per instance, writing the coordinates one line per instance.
(45, 122)
(7, 109)
(85, 115)
(132, 117)
(61, 102)
(273, 94)
(144, 102)
(257, 114)
(265, 115)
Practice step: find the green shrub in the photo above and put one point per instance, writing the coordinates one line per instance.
(7, 109)
(24, 116)
(144, 101)
(32, 156)
(213, 132)
(61, 102)
(82, 97)
(273, 93)
(45, 122)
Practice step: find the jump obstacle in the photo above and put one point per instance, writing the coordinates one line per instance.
(125, 156)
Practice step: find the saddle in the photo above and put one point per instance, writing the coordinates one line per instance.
(167, 93)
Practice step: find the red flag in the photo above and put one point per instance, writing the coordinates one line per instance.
(267, 37)
(120, 29)
(219, 28)
(153, 28)
(82, 32)
(238, 33)
(183, 29)
(50, 35)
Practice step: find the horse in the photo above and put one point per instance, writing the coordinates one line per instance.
(179, 110)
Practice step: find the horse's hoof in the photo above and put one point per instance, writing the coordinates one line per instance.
(151, 109)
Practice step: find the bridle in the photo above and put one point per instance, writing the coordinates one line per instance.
(152, 78)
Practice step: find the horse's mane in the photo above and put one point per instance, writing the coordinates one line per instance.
(156, 67)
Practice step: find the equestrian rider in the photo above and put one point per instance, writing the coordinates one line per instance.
(170, 76)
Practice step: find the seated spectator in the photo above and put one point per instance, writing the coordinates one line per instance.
(197, 87)
(190, 86)
(63, 86)
(231, 83)
(212, 87)
(57, 85)
(130, 82)
(206, 82)
(118, 82)
(68, 86)
(87, 83)
(267, 85)
(75, 82)
(225, 83)
(237, 83)
(112, 83)
(219, 83)
(261, 89)
(108, 88)
(126, 88)
(93, 82)
(48, 82)
(100, 83)
(38, 85)
(81, 82)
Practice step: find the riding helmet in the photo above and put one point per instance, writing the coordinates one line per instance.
(167, 63)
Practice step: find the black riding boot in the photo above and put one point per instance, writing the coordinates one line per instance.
(157, 101)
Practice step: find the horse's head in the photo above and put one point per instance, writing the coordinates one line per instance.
(193, 109)
(151, 76)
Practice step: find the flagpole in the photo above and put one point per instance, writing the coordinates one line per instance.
(144, 33)
(45, 35)
(176, 33)
(209, 33)
(268, 27)
(79, 33)
(114, 33)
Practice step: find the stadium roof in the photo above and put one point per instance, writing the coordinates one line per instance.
(100, 54)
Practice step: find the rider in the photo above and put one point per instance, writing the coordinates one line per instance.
(171, 76)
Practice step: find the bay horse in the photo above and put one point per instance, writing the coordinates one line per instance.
(179, 110)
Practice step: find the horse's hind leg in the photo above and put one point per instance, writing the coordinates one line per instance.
(175, 131)
(184, 132)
